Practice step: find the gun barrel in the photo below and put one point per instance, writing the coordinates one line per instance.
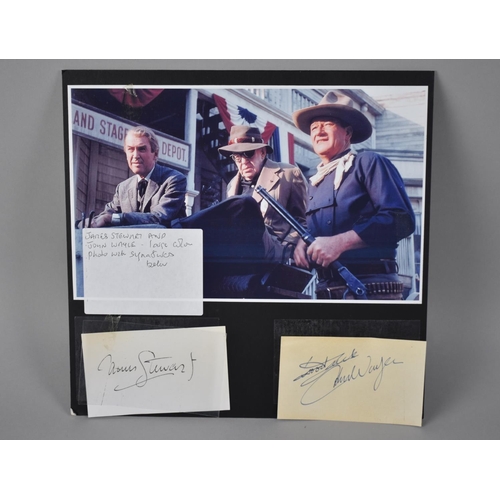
(303, 232)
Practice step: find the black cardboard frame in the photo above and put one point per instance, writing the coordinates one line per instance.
(251, 326)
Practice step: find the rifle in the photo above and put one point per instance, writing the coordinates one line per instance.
(352, 283)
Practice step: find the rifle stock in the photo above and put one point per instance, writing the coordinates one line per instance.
(352, 283)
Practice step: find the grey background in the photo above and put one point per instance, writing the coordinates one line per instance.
(462, 374)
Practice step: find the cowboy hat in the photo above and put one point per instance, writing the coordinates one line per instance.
(335, 105)
(244, 138)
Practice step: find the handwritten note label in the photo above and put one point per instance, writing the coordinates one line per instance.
(156, 371)
(351, 379)
(143, 271)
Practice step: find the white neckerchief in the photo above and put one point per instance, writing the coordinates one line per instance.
(341, 165)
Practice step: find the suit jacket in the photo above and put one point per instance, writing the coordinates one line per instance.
(286, 184)
(163, 202)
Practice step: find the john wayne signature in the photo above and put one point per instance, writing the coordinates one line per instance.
(149, 367)
(321, 378)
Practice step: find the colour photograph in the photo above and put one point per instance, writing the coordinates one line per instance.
(303, 193)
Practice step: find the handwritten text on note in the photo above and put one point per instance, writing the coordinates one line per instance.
(353, 379)
(143, 271)
(156, 371)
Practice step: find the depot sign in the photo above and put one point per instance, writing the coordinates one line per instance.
(103, 128)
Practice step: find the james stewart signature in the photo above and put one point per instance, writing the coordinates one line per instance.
(321, 378)
(149, 368)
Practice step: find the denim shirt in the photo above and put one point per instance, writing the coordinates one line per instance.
(371, 200)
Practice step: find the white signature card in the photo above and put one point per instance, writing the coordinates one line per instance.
(143, 271)
(352, 379)
(156, 371)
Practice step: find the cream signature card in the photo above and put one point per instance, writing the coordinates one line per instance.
(351, 379)
(143, 271)
(156, 371)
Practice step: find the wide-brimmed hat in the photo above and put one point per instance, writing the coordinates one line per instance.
(335, 105)
(244, 138)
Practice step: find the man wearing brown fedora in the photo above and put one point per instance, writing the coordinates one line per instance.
(283, 181)
(358, 209)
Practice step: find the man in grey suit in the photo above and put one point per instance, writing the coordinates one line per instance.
(154, 195)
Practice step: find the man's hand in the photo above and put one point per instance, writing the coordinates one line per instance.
(102, 220)
(325, 249)
(300, 255)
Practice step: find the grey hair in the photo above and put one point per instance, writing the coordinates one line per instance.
(142, 131)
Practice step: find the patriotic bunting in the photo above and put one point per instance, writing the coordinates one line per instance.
(237, 115)
(136, 98)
